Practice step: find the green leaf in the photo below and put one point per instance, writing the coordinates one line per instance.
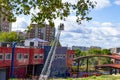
(48, 9)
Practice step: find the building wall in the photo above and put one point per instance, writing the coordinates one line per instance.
(23, 57)
(59, 67)
(115, 50)
(82, 48)
(46, 33)
(46, 52)
(3, 74)
(69, 58)
(95, 47)
(5, 25)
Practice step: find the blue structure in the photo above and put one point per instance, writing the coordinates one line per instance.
(46, 50)
(12, 62)
(59, 67)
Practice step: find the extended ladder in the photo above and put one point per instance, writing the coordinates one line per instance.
(46, 69)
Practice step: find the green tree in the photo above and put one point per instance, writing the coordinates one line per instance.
(51, 43)
(10, 37)
(77, 53)
(3, 37)
(106, 51)
(28, 29)
(94, 51)
(47, 9)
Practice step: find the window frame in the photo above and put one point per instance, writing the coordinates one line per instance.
(7, 55)
(36, 54)
(26, 54)
(42, 56)
(17, 56)
(70, 56)
(2, 56)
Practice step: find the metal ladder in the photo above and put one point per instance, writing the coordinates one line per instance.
(46, 69)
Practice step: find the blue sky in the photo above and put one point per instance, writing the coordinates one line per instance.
(103, 30)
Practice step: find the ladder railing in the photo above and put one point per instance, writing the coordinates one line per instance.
(46, 69)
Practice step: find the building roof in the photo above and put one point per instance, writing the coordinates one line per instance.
(36, 39)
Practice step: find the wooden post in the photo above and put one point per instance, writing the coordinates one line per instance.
(78, 68)
(119, 71)
(87, 66)
(115, 71)
(111, 71)
(33, 70)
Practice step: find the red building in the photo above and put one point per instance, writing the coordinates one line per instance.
(69, 57)
(23, 57)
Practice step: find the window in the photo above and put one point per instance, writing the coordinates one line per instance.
(1, 56)
(35, 56)
(19, 56)
(70, 56)
(8, 56)
(41, 56)
(63, 56)
(55, 57)
(26, 56)
(73, 56)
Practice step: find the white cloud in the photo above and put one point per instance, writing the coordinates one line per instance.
(117, 2)
(21, 23)
(102, 3)
(70, 1)
(94, 33)
(107, 24)
(91, 33)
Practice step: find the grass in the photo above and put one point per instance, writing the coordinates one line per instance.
(103, 77)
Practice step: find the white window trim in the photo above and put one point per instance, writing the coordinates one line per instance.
(2, 56)
(27, 55)
(8, 54)
(41, 55)
(36, 55)
(17, 56)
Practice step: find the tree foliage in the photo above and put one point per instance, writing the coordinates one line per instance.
(10, 37)
(78, 52)
(52, 42)
(47, 10)
(95, 51)
(94, 60)
(106, 51)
